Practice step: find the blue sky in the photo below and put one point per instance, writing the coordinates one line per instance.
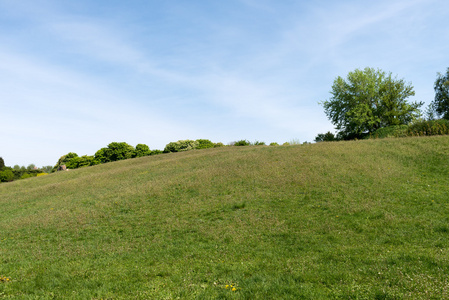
(77, 75)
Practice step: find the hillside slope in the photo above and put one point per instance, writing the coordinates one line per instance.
(362, 219)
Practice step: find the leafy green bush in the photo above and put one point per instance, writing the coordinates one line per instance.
(2, 163)
(65, 159)
(274, 144)
(431, 127)
(219, 144)
(114, 152)
(6, 175)
(156, 152)
(390, 131)
(204, 144)
(258, 143)
(141, 150)
(82, 161)
(182, 145)
(26, 175)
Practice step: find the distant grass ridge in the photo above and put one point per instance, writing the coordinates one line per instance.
(346, 220)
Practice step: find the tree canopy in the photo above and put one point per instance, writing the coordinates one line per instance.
(367, 100)
(441, 101)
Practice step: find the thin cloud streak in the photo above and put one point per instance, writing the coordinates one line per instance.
(220, 71)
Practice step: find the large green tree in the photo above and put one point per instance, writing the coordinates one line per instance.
(367, 100)
(441, 101)
(115, 151)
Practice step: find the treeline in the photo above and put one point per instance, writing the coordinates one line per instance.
(21, 172)
(119, 151)
(113, 152)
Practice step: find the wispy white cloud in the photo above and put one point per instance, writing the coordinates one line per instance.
(222, 71)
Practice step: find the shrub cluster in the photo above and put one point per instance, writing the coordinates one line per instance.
(113, 152)
(419, 128)
(185, 145)
(10, 174)
(431, 127)
(391, 131)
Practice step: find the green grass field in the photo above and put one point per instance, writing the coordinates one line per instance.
(346, 220)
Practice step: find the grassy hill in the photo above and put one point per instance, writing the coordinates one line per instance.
(350, 220)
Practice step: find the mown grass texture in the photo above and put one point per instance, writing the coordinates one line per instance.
(342, 220)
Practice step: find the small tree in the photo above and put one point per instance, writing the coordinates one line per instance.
(441, 101)
(367, 100)
(2, 163)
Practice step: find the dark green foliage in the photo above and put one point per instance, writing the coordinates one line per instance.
(119, 151)
(2, 163)
(141, 150)
(326, 137)
(6, 174)
(156, 152)
(441, 101)
(101, 155)
(65, 159)
(242, 143)
(259, 143)
(390, 131)
(114, 152)
(432, 127)
(368, 100)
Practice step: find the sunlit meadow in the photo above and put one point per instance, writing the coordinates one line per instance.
(341, 220)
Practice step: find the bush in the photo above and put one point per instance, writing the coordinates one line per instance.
(83, 161)
(242, 143)
(114, 152)
(156, 152)
(141, 150)
(326, 137)
(274, 144)
(2, 163)
(204, 144)
(432, 127)
(258, 143)
(64, 160)
(6, 175)
(26, 175)
(219, 144)
(390, 131)
(182, 145)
